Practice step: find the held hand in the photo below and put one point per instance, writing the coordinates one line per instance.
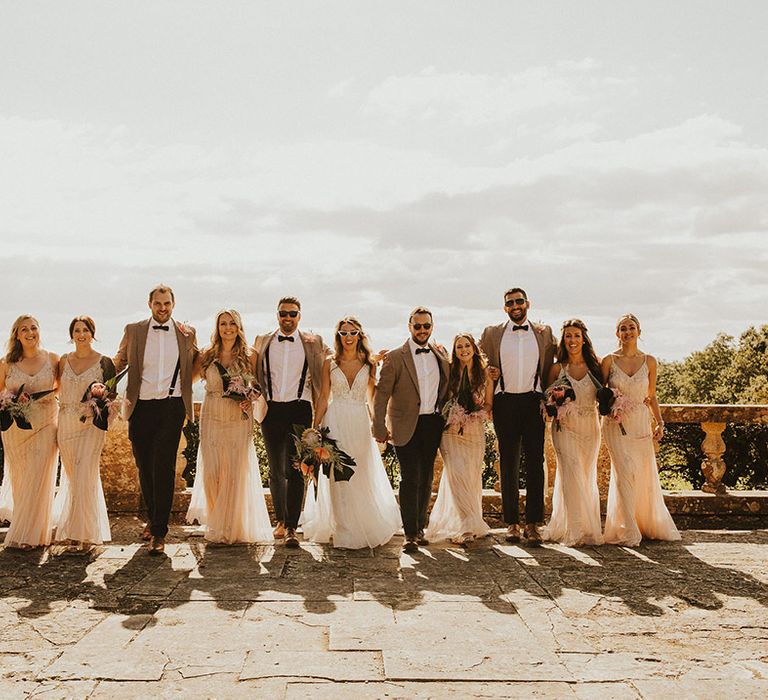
(245, 406)
(380, 438)
(494, 373)
(658, 432)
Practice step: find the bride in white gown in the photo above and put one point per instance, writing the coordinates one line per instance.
(363, 511)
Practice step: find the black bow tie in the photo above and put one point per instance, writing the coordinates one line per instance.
(160, 328)
(520, 328)
(421, 350)
(281, 338)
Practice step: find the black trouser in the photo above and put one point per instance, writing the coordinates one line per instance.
(518, 421)
(154, 430)
(286, 484)
(417, 467)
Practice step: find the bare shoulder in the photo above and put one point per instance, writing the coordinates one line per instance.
(54, 358)
(651, 360)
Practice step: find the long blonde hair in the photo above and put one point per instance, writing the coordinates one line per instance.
(241, 352)
(15, 350)
(364, 351)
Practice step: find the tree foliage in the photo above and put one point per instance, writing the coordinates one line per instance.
(726, 371)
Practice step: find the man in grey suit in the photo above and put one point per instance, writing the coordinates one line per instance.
(410, 394)
(289, 369)
(160, 354)
(520, 354)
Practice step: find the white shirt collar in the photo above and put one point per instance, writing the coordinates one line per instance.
(414, 346)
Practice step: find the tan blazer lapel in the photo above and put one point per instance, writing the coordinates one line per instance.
(142, 329)
(410, 365)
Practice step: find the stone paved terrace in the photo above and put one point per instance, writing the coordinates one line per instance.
(665, 620)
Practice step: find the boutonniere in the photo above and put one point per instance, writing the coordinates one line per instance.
(184, 328)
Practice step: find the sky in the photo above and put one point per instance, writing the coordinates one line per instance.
(368, 157)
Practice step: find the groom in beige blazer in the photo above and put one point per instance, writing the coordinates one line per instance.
(410, 394)
(520, 355)
(160, 355)
(289, 369)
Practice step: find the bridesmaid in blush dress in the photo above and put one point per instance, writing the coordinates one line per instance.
(80, 512)
(636, 507)
(227, 496)
(31, 456)
(576, 500)
(458, 511)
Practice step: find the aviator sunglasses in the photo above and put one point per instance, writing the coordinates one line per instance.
(292, 314)
(419, 326)
(515, 302)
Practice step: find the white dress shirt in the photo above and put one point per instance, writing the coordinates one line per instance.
(286, 361)
(161, 353)
(519, 353)
(428, 373)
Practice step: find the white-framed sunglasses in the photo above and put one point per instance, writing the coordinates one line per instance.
(344, 334)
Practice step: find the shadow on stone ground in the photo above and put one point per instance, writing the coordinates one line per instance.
(491, 619)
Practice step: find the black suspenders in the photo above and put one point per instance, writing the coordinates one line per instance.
(302, 381)
(501, 369)
(176, 371)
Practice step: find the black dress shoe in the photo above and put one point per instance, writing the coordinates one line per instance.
(410, 546)
(291, 541)
(421, 540)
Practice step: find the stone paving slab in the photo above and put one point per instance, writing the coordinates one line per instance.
(491, 620)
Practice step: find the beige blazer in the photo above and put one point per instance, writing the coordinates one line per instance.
(131, 354)
(315, 350)
(397, 403)
(490, 344)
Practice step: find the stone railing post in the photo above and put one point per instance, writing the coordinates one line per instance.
(713, 465)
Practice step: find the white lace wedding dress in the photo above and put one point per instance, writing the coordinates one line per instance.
(363, 511)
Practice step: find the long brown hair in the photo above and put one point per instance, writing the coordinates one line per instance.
(241, 352)
(478, 365)
(364, 351)
(15, 350)
(587, 351)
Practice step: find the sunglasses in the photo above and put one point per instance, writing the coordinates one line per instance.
(419, 326)
(292, 314)
(344, 334)
(515, 302)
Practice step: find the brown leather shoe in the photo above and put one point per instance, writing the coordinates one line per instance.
(146, 534)
(410, 546)
(157, 545)
(291, 541)
(279, 532)
(513, 534)
(532, 536)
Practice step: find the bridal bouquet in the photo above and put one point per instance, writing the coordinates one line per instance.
(612, 403)
(15, 407)
(559, 400)
(239, 387)
(101, 401)
(462, 409)
(316, 451)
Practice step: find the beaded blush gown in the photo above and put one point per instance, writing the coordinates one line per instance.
(363, 511)
(458, 511)
(80, 512)
(636, 506)
(227, 496)
(576, 500)
(31, 458)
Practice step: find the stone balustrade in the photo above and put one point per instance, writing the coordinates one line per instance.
(121, 484)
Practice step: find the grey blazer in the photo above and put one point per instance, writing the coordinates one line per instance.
(397, 402)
